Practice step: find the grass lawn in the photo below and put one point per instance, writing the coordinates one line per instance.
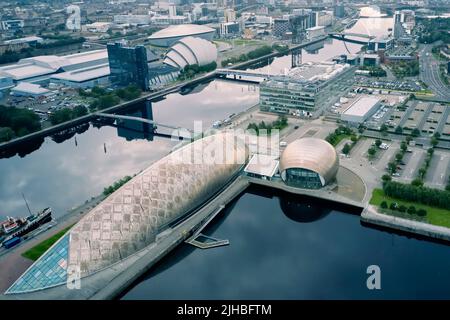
(35, 252)
(436, 216)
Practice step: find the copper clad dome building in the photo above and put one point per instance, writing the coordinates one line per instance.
(309, 163)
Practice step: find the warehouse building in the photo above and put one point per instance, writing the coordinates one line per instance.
(360, 110)
(83, 78)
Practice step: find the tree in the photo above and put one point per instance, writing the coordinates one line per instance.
(399, 156)
(411, 210)
(403, 146)
(417, 182)
(61, 116)
(346, 149)
(371, 152)
(79, 111)
(378, 142)
(399, 130)
(421, 212)
(108, 101)
(383, 205)
(415, 132)
(386, 177)
(6, 134)
(384, 128)
(402, 208)
(392, 167)
(434, 141)
(393, 206)
(422, 172)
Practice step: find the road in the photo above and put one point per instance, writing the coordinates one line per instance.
(429, 73)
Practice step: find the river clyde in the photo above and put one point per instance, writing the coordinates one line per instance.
(280, 247)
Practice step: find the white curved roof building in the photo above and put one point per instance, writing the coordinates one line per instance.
(131, 218)
(189, 51)
(170, 35)
(309, 163)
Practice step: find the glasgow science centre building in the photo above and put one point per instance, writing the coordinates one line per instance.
(140, 219)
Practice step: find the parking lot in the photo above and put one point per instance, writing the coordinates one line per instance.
(44, 106)
(394, 85)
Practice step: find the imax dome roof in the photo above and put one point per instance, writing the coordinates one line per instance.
(312, 154)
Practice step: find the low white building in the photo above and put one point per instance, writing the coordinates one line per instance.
(30, 89)
(360, 110)
(30, 40)
(132, 19)
(315, 32)
(98, 27)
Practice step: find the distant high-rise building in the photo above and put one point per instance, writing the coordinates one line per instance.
(230, 15)
(338, 9)
(128, 65)
(172, 10)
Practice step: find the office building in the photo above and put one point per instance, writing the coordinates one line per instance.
(128, 65)
(306, 90)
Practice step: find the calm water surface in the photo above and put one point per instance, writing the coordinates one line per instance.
(285, 247)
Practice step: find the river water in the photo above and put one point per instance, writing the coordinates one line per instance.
(273, 252)
(288, 247)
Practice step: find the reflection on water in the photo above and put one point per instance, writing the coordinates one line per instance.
(274, 254)
(65, 173)
(372, 23)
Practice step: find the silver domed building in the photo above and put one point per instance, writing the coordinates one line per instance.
(171, 34)
(190, 51)
(309, 163)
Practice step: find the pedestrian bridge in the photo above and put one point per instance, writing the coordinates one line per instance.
(243, 75)
(345, 36)
(177, 131)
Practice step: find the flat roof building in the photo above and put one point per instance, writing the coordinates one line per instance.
(310, 88)
(29, 89)
(83, 78)
(360, 110)
(30, 69)
(262, 166)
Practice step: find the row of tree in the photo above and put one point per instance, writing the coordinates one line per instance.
(421, 194)
(434, 30)
(191, 70)
(338, 134)
(259, 52)
(278, 124)
(105, 99)
(402, 208)
(116, 185)
(17, 122)
(67, 114)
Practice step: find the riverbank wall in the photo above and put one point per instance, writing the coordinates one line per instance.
(370, 215)
(148, 96)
